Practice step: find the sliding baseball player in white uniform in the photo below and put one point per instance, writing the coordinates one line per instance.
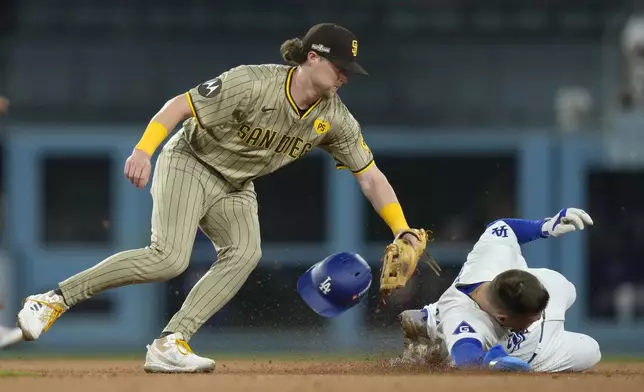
(501, 315)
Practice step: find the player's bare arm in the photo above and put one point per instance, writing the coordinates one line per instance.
(138, 166)
(378, 191)
(350, 151)
(402, 255)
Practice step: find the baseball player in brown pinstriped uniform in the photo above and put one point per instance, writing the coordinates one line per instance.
(243, 124)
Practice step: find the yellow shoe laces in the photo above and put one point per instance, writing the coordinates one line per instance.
(183, 344)
(56, 311)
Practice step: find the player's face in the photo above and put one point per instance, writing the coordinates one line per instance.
(326, 77)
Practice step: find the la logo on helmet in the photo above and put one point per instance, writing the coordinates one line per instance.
(325, 287)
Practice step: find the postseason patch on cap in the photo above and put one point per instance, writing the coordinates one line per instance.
(210, 88)
(321, 48)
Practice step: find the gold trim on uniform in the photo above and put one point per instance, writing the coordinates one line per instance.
(287, 88)
(359, 171)
(192, 109)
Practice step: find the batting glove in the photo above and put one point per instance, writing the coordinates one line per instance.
(510, 364)
(497, 359)
(566, 221)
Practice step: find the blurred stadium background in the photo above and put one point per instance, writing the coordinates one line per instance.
(474, 109)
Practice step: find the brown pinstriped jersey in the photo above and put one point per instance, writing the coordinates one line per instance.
(245, 125)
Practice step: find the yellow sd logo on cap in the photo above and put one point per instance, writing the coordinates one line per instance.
(321, 126)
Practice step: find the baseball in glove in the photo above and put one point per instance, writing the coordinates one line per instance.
(401, 259)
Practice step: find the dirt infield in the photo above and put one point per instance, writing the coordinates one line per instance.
(298, 376)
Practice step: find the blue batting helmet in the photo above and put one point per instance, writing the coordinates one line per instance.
(335, 284)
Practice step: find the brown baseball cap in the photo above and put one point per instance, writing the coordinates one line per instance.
(335, 43)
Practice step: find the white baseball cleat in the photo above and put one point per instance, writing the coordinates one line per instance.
(172, 354)
(39, 312)
(422, 345)
(415, 337)
(414, 325)
(10, 336)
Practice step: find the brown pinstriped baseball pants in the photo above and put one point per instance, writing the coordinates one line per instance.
(186, 195)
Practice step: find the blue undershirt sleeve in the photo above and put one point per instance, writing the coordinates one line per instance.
(467, 352)
(525, 230)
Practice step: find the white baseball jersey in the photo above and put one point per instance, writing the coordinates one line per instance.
(456, 316)
(547, 346)
(496, 251)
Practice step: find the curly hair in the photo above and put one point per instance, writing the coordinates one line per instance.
(293, 51)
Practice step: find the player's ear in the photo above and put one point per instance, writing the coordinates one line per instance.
(501, 318)
(312, 57)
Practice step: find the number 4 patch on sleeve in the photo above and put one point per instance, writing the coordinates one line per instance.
(463, 327)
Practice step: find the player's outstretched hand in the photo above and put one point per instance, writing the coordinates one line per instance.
(137, 168)
(566, 221)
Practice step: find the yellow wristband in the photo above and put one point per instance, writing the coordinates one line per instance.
(393, 215)
(154, 134)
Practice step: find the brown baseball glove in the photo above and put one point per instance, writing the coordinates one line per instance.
(401, 259)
